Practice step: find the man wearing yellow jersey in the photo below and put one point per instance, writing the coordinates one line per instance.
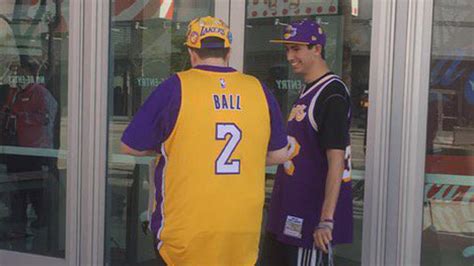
(216, 129)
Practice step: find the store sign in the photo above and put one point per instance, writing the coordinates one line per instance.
(25, 79)
(149, 82)
(279, 8)
(289, 84)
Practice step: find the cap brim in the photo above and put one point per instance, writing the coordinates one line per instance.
(289, 42)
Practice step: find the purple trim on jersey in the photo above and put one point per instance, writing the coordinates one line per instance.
(227, 162)
(278, 136)
(215, 68)
(301, 194)
(156, 118)
(157, 216)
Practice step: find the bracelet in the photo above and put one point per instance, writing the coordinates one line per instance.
(328, 220)
(325, 225)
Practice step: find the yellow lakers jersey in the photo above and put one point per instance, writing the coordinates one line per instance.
(213, 179)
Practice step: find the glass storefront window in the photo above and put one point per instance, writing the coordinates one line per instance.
(448, 224)
(348, 28)
(33, 126)
(146, 48)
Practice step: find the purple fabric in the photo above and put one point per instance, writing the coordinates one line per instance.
(157, 216)
(155, 119)
(215, 68)
(278, 133)
(302, 194)
(305, 31)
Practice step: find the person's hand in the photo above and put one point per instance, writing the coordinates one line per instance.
(322, 237)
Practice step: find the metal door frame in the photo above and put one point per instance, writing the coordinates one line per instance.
(399, 83)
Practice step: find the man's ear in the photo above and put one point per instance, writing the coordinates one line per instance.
(318, 49)
(192, 57)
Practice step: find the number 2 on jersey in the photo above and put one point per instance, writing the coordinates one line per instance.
(224, 165)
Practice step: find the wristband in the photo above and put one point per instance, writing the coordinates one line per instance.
(325, 225)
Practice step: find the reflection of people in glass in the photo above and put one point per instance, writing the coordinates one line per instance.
(30, 112)
(120, 101)
(278, 73)
(8, 55)
(31, 106)
(216, 129)
(311, 204)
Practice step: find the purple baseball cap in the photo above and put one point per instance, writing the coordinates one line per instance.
(305, 32)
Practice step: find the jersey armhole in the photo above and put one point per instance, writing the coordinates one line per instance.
(312, 105)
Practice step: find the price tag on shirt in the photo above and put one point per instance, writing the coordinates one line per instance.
(293, 226)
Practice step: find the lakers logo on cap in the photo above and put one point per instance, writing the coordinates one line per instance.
(289, 32)
(206, 30)
(193, 37)
(205, 27)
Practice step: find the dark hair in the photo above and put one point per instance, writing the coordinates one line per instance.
(28, 64)
(323, 50)
(218, 52)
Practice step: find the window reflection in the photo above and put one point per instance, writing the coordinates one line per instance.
(33, 97)
(448, 227)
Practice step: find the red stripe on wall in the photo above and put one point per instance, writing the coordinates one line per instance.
(460, 192)
(447, 191)
(169, 14)
(433, 190)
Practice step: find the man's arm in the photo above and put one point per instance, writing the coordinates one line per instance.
(124, 148)
(333, 182)
(154, 121)
(333, 116)
(323, 236)
(277, 156)
(278, 144)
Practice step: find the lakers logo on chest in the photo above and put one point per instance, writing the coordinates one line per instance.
(298, 113)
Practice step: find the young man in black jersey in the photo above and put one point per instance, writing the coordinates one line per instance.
(311, 205)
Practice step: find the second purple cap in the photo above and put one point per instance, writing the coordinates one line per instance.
(303, 32)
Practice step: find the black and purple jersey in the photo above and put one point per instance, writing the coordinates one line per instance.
(298, 192)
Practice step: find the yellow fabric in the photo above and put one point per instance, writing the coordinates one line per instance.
(214, 219)
(204, 27)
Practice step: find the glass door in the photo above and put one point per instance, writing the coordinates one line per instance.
(448, 213)
(348, 26)
(33, 131)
